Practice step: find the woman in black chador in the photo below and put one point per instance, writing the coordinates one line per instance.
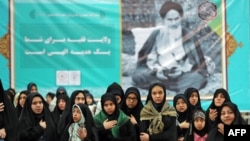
(36, 123)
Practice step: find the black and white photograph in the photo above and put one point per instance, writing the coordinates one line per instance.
(174, 42)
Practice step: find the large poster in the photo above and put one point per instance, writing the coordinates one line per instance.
(180, 43)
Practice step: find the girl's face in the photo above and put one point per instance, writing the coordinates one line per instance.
(131, 100)
(48, 99)
(227, 115)
(193, 99)
(157, 94)
(79, 98)
(33, 89)
(76, 114)
(37, 105)
(219, 100)
(61, 104)
(199, 123)
(181, 105)
(109, 107)
(89, 100)
(22, 99)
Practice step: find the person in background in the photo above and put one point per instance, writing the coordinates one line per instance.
(61, 103)
(90, 101)
(171, 55)
(36, 123)
(220, 96)
(229, 114)
(184, 116)
(112, 123)
(193, 97)
(8, 118)
(49, 98)
(199, 127)
(21, 101)
(76, 97)
(32, 87)
(117, 90)
(132, 106)
(158, 118)
(82, 126)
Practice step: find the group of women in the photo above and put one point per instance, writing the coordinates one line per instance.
(122, 116)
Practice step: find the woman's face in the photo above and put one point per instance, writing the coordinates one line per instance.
(219, 100)
(61, 104)
(109, 107)
(37, 105)
(157, 94)
(131, 100)
(227, 115)
(79, 98)
(172, 19)
(193, 99)
(22, 99)
(181, 105)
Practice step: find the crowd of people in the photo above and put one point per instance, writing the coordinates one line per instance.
(120, 115)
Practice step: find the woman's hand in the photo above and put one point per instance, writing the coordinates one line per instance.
(2, 133)
(82, 133)
(109, 124)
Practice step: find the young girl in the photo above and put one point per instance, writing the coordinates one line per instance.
(184, 117)
(82, 126)
(199, 128)
(158, 118)
(112, 123)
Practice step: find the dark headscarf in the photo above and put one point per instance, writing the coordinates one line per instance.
(115, 89)
(149, 97)
(30, 85)
(111, 97)
(216, 93)
(239, 120)
(182, 116)
(18, 107)
(57, 112)
(188, 92)
(66, 117)
(29, 121)
(8, 117)
(61, 90)
(137, 109)
(87, 93)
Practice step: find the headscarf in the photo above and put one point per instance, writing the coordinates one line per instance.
(8, 118)
(188, 92)
(154, 112)
(30, 85)
(75, 125)
(182, 116)
(137, 109)
(19, 107)
(29, 119)
(118, 115)
(116, 89)
(238, 120)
